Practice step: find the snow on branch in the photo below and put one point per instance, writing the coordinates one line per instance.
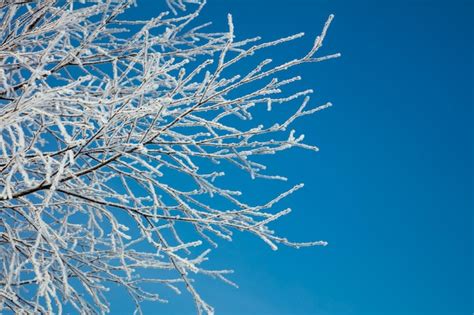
(112, 137)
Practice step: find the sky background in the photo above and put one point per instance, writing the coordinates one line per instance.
(391, 189)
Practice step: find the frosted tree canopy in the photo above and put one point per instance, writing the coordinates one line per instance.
(99, 118)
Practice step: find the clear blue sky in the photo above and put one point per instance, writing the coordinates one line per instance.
(391, 189)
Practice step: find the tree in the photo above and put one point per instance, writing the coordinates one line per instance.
(99, 115)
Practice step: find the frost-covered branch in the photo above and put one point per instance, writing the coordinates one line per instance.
(112, 133)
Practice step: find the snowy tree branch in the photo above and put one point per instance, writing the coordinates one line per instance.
(99, 115)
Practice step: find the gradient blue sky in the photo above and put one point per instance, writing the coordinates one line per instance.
(391, 189)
